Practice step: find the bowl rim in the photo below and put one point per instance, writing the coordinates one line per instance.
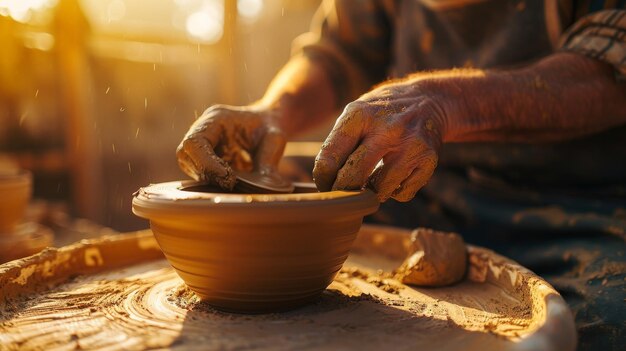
(168, 201)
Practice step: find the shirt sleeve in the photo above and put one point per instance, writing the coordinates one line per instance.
(350, 39)
(599, 35)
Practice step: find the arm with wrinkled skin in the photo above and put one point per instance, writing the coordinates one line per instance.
(226, 139)
(300, 97)
(563, 96)
(404, 122)
(344, 54)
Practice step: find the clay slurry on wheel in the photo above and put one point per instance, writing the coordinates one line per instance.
(117, 293)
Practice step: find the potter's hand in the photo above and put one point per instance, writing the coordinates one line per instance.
(563, 96)
(226, 138)
(400, 123)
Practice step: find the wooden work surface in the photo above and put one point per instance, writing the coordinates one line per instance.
(118, 293)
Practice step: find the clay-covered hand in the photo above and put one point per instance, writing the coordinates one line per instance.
(227, 139)
(399, 123)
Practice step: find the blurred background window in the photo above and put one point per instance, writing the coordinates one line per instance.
(95, 95)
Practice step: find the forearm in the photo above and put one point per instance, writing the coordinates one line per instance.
(560, 97)
(301, 96)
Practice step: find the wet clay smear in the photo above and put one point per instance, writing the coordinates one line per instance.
(147, 306)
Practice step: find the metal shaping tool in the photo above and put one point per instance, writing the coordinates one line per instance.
(258, 183)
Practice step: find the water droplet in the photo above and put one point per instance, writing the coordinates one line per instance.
(22, 118)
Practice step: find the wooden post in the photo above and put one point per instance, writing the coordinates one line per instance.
(72, 33)
(229, 55)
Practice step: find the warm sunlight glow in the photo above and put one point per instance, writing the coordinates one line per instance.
(116, 10)
(249, 9)
(21, 10)
(207, 23)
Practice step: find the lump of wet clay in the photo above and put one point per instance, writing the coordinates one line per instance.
(437, 259)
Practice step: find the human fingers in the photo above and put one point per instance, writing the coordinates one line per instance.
(396, 167)
(418, 178)
(210, 125)
(339, 145)
(270, 150)
(360, 164)
(186, 164)
(197, 155)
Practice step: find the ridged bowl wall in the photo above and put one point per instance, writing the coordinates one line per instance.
(254, 253)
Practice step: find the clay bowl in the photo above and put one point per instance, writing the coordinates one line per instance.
(254, 253)
(15, 188)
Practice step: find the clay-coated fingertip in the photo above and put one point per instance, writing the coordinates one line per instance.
(228, 182)
(322, 187)
(321, 180)
(322, 183)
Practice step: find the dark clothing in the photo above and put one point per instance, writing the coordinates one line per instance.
(363, 42)
(560, 208)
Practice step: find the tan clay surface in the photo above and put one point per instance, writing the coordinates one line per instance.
(142, 304)
(254, 253)
(15, 189)
(436, 259)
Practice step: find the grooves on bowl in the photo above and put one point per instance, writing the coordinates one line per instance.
(254, 253)
(254, 269)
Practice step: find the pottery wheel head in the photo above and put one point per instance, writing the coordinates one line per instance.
(258, 183)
